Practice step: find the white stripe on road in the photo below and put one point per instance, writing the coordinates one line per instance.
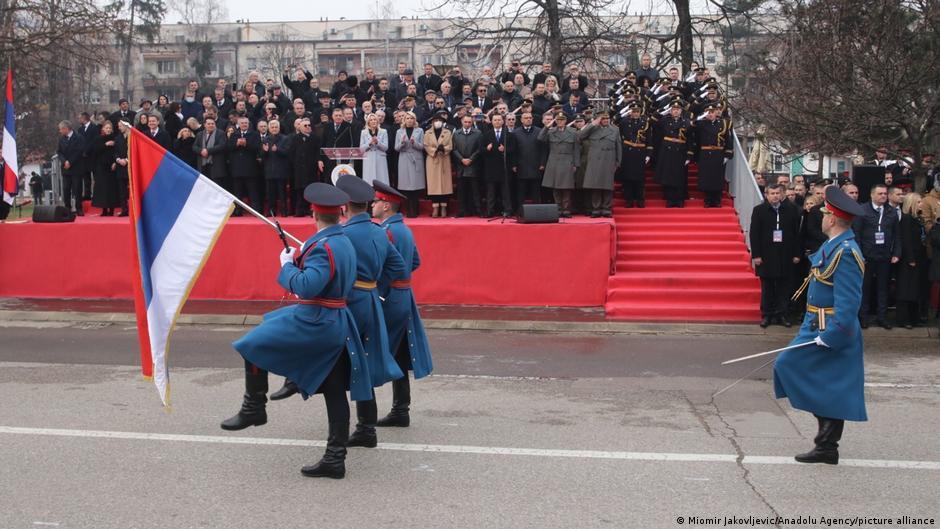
(463, 449)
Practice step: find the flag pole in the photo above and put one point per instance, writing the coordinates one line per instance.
(237, 201)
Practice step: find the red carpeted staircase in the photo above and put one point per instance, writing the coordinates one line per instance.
(681, 264)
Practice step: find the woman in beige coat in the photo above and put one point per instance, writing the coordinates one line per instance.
(438, 142)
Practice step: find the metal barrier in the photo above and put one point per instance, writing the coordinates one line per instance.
(56, 170)
(743, 187)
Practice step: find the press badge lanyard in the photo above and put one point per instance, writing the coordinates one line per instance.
(778, 233)
(880, 235)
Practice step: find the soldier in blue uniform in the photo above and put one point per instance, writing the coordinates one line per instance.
(827, 379)
(375, 258)
(405, 330)
(313, 342)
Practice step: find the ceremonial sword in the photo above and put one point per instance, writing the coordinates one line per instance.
(765, 364)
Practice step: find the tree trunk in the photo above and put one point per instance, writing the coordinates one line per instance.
(684, 33)
(129, 43)
(555, 36)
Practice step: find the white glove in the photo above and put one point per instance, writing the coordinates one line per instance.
(820, 343)
(287, 256)
(687, 162)
(647, 159)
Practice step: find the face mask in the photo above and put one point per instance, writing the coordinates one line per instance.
(438, 124)
(190, 99)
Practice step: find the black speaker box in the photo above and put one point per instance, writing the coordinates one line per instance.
(539, 214)
(52, 214)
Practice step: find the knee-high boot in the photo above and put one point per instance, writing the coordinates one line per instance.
(827, 443)
(366, 417)
(401, 404)
(333, 462)
(252, 412)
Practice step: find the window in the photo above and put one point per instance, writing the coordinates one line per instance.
(440, 34)
(167, 66)
(710, 58)
(113, 67)
(223, 38)
(349, 35)
(114, 96)
(180, 39)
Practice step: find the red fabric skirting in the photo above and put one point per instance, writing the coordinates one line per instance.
(463, 261)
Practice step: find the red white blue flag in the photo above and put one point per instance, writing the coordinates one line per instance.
(10, 165)
(176, 216)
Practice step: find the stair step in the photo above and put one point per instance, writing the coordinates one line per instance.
(672, 280)
(642, 254)
(684, 266)
(683, 313)
(644, 235)
(681, 246)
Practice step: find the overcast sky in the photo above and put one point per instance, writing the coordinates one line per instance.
(289, 10)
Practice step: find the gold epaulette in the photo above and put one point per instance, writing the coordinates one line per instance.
(823, 277)
(860, 260)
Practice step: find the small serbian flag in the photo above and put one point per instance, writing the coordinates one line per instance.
(10, 166)
(176, 216)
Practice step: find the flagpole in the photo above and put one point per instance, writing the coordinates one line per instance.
(235, 199)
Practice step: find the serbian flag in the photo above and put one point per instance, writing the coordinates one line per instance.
(10, 166)
(176, 216)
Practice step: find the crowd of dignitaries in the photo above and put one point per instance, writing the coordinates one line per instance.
(486, 146)
(898, 235)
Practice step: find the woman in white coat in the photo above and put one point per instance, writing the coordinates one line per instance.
(409, 142)
(373, 140)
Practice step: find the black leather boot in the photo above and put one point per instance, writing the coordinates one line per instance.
(333, 463)
(401, 404)
(287, 390)
(252, 412)
(366, 415)
(827, 443)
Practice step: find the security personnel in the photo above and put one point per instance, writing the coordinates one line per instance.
(405, 330)
(827, 378)
(635, 132)
(375, 258)
(674, 154)
(713, 140)
(314, 341)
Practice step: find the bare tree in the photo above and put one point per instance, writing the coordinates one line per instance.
(195, 12)
(55, 48)
(136, 21)
(844, 79)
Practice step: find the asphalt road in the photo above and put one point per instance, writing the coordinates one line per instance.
(514, 430)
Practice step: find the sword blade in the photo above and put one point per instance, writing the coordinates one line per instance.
(765, 353)
(735, 383)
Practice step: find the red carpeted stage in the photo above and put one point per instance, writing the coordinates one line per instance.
(463, 261)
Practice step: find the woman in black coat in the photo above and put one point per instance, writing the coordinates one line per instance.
(183, 146)
(912, 269)
(141, 124)
(120, 167)
(105, 194)
(173, 120)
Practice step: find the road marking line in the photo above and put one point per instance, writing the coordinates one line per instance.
(465, 449)
(899, 385)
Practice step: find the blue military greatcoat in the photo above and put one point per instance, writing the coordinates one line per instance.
(828, 381)
(401, 311)
(375, 257)
(303, 341)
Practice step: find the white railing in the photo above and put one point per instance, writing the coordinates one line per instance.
(742, 186)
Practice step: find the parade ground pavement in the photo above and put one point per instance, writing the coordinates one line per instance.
(514, 429)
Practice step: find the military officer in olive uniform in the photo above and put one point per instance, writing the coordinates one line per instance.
(564, 156)
(827, 378)
(606, 155)
(314, 341)
(713, 140)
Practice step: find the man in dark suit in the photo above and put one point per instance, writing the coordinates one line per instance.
(244, 148)
(544, 74)
(336, 134)
(123, 113)
(304, 155)
(775, 248)
(480, 100)
(210, 148)
(88, 130)
(575, 73)
(70, 151)
(877, 234)
(466, 156)
(157, 134)
(430, 80)
(499, 165)
(531, 159)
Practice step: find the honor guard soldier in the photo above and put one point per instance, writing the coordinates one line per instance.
(314, 341)
(827, 378)
(713, 140)
(375, 258)
(635, 132)
(674, 154)
(405, 330)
